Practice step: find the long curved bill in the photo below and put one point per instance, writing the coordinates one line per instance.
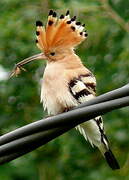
(18, 67)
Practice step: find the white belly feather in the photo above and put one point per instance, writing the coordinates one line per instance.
(55, 93)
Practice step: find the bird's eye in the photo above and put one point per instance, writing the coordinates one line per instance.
(52, 53)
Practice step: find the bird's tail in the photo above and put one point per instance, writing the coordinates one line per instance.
(94, 133)
(111, 160)
(109, 156)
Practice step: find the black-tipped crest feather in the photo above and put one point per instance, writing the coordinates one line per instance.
(39, 23)
(50, 12)
(63, 32)
(67, 13)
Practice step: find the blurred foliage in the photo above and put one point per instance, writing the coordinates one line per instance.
(106, 53)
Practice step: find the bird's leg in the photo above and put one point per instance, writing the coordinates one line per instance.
(67, 109)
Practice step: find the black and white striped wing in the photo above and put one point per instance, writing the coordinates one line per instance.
(83, 89)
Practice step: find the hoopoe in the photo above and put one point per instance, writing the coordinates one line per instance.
(66, 82)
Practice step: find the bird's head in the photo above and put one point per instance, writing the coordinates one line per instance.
(57, 40)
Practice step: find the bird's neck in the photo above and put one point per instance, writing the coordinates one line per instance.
(71, 61)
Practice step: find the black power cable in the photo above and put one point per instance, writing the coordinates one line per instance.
(31, 136)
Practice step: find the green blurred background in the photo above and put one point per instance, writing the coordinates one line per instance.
(105, 53)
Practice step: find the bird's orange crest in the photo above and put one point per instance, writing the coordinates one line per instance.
(63, 32)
